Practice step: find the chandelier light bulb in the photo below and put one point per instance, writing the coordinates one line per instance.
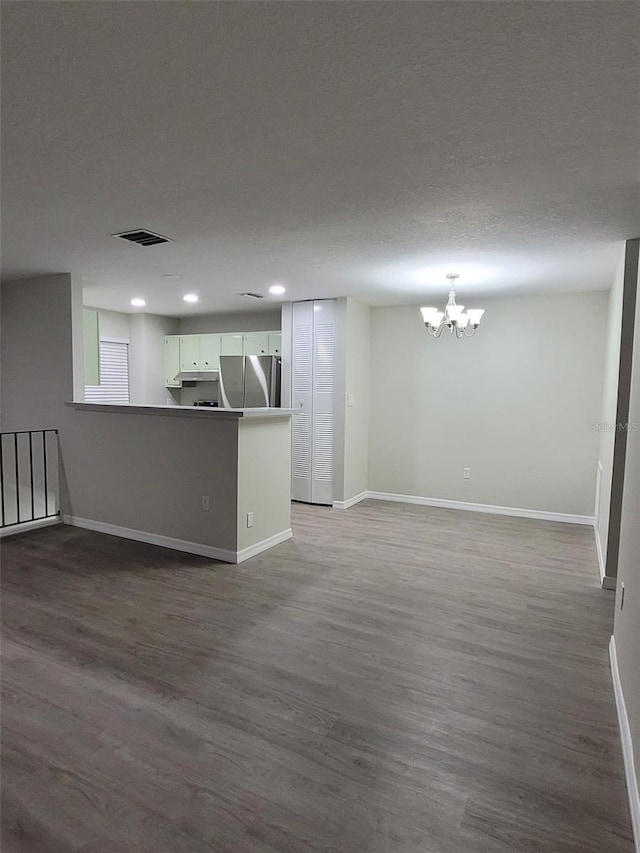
(427, 313)
(475, 314)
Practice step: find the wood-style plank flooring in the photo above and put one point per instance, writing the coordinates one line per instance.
(395, 679)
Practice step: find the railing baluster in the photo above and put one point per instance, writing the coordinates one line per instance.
(33, 505)
(2, 477)
(34, 463)
(46, 488)
(15, 450)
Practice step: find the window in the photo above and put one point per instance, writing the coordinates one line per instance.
(114, 374)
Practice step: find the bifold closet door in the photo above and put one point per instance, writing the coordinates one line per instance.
(313, 385)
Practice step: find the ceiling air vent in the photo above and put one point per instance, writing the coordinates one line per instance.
(252, 295)
(142, 237)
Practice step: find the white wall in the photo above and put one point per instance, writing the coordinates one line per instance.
(145, 333)
(264, 476)
(515, 404)
(608, 414)
(250, 321)
(627, 621)
(113, 324)
(146, 358)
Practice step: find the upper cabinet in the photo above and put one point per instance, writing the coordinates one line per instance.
(190, 352)
(172, 361)
(275, 342)
(232, 344)
(257, 343)
(202, 352)
(209, 352)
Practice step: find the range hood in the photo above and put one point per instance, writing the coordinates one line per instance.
(197, 376)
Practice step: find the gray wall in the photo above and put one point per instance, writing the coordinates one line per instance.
(139, 471)
(516, 404)
(37, 351)
(627, 621)
(149, 473)
(250, 321)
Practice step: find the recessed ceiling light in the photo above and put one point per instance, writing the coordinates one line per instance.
(138, 303)
(190, 297)
(277, 289)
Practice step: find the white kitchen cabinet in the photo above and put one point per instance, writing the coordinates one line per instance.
(209, 352)
(275, 343)
(202, 352)
(172, 361)
(231, 344)
(190, 352)
(256, 343)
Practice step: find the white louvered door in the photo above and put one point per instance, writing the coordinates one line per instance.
(114, 374)
(301, 400)
(313, 382)
(324, 334)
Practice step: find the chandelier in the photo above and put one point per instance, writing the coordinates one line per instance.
(453, 318)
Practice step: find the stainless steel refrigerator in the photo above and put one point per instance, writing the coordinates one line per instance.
(249, 381)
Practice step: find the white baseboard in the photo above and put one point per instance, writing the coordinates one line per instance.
(601, 565)
(153, 539)
(29, 525)
(351, 501)
(226, 556)
(264, 545)
(627, 746)
(606, 582)
(488, 508)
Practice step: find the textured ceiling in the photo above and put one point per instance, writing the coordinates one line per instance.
(360, 149)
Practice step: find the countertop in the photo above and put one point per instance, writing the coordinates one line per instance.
(182, 411)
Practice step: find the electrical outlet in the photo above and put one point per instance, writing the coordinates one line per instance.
(249, 519)
(349, 399)
(466, 473)
(205, 502)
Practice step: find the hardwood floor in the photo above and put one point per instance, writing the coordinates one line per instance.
(395, 679)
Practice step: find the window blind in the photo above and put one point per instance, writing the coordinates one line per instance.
(114, 375)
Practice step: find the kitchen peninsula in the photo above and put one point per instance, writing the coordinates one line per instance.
(214, 482)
